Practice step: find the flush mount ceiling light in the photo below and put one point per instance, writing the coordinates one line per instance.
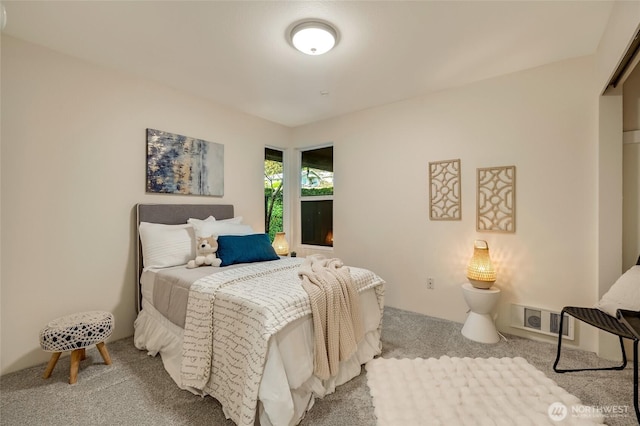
(313, 37)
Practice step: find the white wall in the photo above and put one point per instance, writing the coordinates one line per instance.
(73, 167)
(620, 31)
(631, 202)
(631, 170)
(543, 121)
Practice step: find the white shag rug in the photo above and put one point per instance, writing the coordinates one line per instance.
(470, 391)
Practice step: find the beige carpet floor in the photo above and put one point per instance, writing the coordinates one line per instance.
(135, 389)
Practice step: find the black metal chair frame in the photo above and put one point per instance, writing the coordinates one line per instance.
(603, 321)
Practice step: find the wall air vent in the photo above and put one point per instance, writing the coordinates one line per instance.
(541, 321)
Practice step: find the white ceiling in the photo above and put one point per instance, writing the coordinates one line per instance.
(237, 53)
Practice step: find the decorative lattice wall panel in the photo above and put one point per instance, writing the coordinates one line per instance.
(445, 199)
(496, 199)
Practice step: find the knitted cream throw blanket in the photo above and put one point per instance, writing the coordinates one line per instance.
(335, 306)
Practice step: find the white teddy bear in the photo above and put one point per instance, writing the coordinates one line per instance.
(205, 252)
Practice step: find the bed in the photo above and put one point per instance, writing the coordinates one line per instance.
(241, 333)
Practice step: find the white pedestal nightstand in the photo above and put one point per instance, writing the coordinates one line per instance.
(479, 325)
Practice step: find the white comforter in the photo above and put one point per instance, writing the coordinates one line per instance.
(252, 304)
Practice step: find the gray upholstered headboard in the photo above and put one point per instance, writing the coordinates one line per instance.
(173, 214)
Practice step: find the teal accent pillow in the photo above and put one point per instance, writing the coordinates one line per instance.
(234, 249)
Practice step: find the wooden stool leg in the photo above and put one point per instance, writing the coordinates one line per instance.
(51, 365)
(105, 354)
(83, 355)
(75, 364)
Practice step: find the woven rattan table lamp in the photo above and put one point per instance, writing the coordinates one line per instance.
(280, 244)
(481, 296)
(480, 271)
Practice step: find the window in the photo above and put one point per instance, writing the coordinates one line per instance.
(316, 197)
(273, 191)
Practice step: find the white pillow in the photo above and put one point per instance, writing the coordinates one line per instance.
(205, 228)
(623, 294)
(166, 245)
(193, 221)
(237, 220)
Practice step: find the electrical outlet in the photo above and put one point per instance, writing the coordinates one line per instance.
(430, 284)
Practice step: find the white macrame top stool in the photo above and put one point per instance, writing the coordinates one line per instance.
(479, 325)
(75, 333)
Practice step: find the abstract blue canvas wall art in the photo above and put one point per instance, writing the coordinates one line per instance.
(179, 164)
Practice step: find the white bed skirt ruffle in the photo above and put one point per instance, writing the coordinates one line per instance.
(289, 363)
